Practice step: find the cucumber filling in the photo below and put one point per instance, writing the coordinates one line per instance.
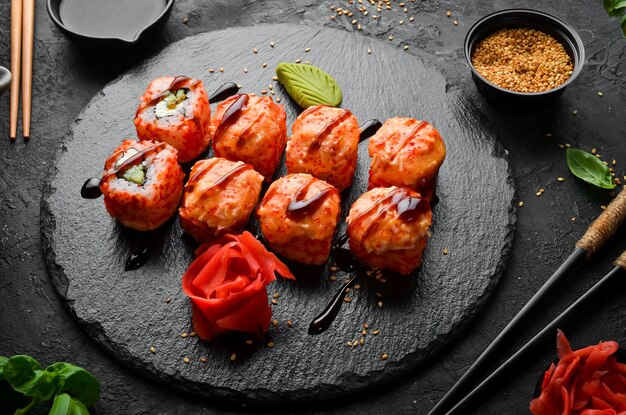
(172, 104)
(136, 174)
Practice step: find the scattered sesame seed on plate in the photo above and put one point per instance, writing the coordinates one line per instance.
(347, 299)
(272, 44)
(600, 94)
(186, 360)
(248, 341)
(366, 326)
(455, 22)
(186, 20)
(152, 349)
(270, 344)
(448, 13)
(255, 50)
(307, 49)
(380, 304)
(520, 204)
(222, 70)
(275, 78)
(233, 357)
(385, 356)
(362, 341)
(445, 251)
(264, 65)
(202, 360)
(275, 322)
(298, 60)
(274, 301)
(406, 47)
(211, 70)
(561, 179)
(290, 323)
(375, 332)
(184, 335)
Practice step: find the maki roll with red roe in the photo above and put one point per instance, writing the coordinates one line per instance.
(324, 143)
(406, 152)
(388, 228)
(142, 183)
(219, 198)
(298, 216)
(175, 110)
(250, 129)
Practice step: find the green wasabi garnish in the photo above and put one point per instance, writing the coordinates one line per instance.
(135, 174)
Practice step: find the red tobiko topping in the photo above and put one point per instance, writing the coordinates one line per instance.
(588, 381)
(226, 284)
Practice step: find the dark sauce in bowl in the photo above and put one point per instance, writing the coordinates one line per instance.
(123, 19)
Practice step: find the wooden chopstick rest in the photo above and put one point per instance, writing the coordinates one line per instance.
(606, 224)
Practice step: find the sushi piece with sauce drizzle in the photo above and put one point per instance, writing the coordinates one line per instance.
(324, 143)
(298, 217)
(250, 129)
(219, 198)
(175, 110)
(406, 152)
(388, 228)
(142, 184)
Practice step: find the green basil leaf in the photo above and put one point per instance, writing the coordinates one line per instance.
(64, 404)
(3, 361)
(309, 85)
(76, 381)
(19, 370)
(589, 168)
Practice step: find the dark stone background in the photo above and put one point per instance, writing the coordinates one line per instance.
(32, 317)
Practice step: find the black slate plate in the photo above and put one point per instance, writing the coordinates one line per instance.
(127, 312)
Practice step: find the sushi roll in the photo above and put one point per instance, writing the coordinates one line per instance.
(324, 143)
(388, 228)
(250, 129)
(175, 110)
(219, 198)
(142, 183)
(298, 216)
(406, 152)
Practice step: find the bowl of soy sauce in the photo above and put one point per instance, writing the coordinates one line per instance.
(111, 23)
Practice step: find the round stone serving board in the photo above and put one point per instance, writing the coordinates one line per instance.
(128, 312)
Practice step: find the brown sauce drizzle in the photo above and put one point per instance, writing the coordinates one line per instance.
(317, 142)
(299, 207)
(131, 161)
(232, 173)
(232, 113)
(408, 209)
(420, 125)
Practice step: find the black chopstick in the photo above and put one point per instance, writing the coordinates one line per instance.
(595, 236)
(549, 332)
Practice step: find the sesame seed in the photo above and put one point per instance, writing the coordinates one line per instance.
(385, 356)
(298, 60)
(270, 344)
(276, 295)
(193, 334)
(359, 27)
(401, 22)
(249, 342)
(594, 151)
(334, 268)
(239, 86)
(278, 99)
(347, 299)
(222, 70)
(362, 341)
(290, 323)
(548, 134)
(274, 302)
(255, 50)
(332, 278)
(375, 332)
(411, 18)
(561, 179)
(211, 70)
(573, 218)
(614, 162)
(369, 51)
(186, 360)
(202, 360)
(152, 349)
(307, 49)
(349, 343)
(600, 94)
(445, 251)
(264, 65)
(275, 78)
(455, 22)
(561, 146)
(448, 13)
(568, 145)
(383, 280)
(520, 204)
(271, 44)
(186, 20)
(184, 335)
(575, 112)
(275, 322)
(364, 332)
(332, 17)
(357, 286)
(354, 21)
(245, 70)
(390, 37)
(307, 62)
(233, 357)
(168, 300)
(380, 304)
(366, 326)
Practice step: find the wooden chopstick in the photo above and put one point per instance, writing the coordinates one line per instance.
(619, 272)
(16, 49)
(27, 63)
(595, 236)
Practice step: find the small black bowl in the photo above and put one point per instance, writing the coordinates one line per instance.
(523, 18)
(113, 42)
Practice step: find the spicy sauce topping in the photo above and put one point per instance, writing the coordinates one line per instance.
(317, 140)
(232, 113)
(299, 206)
(231, 174)
(420, 125)
(408, 209)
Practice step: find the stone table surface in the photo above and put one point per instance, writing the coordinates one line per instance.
(34, 321)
